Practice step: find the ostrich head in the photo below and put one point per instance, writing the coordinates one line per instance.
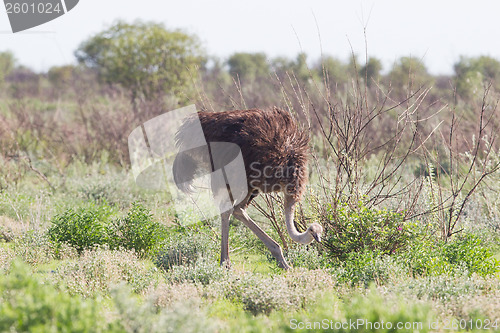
(315, 230)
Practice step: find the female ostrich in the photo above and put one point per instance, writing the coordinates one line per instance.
(275, 154)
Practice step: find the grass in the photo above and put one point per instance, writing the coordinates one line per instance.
(178, 284)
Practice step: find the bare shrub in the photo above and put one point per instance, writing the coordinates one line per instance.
(463, 169)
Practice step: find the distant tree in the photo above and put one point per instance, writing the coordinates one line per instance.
(145, 58)
(408, 75)
(248, 66)
(7, 64)
(297, 69)
(281, 66)
(301, 69)
(371, 70)
(471, 74)
(215, 72)
(333, 69)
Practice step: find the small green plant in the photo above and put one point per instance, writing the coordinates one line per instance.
(424, 259)
(137, 231)
(83, 228)
(362, 229)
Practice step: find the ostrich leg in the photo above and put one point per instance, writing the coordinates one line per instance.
(270, 243)
(224, 254)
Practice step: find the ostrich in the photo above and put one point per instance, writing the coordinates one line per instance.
(275, 154)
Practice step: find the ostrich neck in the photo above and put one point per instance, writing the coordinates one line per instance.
(303, 238)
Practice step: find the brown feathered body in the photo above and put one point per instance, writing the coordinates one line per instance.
(275, 151)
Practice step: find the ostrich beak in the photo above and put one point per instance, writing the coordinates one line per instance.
(317, 238)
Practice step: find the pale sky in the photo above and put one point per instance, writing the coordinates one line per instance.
(437, 31)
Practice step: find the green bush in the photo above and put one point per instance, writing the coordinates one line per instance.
(28, 305)
(91, 226)
(374, 308)
(426, 258)
(361, 229)
(83, 228)
(468, 250)
(137, 231)
(464, 252)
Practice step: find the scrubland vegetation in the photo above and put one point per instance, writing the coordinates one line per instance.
(404, 177)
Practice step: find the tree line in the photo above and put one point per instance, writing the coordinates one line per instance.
(150, 61)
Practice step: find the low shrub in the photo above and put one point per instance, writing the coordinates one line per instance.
(98, 270)
(203, 270)
(371, 312)
(466, 254)
(29, 305)
(468, 250)
(360, 229)
(137, 231)
(373, 308)
(34, 248)
(10, 229)
(185, 249)
(83, 228)
(261, 294)
(459, 295)
(143, 317)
